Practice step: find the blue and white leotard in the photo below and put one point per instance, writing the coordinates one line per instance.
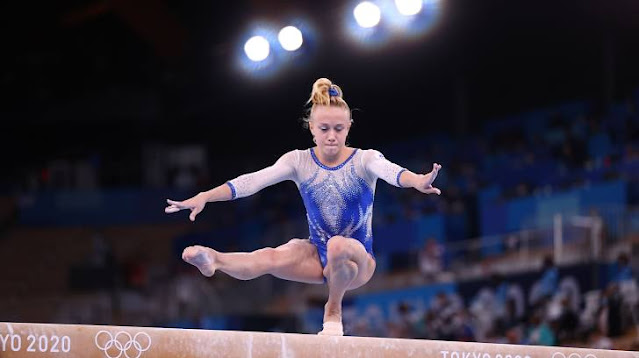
(338, 200)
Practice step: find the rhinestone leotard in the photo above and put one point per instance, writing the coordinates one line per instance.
(338, 200)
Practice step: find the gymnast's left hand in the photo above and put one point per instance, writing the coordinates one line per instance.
(425, 183)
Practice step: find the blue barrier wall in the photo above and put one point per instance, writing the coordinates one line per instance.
(537, 211)
(408, 235)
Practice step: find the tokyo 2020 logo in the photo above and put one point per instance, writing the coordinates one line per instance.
(122, 343)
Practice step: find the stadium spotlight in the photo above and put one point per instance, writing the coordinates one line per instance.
(367, 14)
(290, 38)
(257, 48)
(408, 7)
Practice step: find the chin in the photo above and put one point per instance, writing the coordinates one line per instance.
(331, 150)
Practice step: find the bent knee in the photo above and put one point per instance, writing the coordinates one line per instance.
(345, 271)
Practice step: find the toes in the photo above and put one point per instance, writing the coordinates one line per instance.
(332, 329)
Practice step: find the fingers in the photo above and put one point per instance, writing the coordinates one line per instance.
(435, 170)
(430, 177)
(171, 209)
(194, 213)
(175, 203)
(436, 167)
(433, 190)
(176, 206)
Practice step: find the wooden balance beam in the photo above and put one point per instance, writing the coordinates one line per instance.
(25, 340)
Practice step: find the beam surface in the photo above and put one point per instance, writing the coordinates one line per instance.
(22, 340)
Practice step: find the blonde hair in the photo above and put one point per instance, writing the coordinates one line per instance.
(321, 96)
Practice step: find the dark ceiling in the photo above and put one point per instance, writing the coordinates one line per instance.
(117, 72)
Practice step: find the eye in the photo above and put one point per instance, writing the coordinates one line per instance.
(323, 129)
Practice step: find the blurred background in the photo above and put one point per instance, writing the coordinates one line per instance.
(109, 107)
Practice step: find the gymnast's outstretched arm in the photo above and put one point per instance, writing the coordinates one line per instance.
(421, 182)
(382, 168)
(242, 186)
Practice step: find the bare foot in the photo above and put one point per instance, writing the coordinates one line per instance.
(332, 322)
(332, 329)
(201, 257)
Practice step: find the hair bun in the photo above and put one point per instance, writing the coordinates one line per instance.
(325, 93)
(319, 94)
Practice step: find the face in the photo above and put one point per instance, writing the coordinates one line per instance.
(330, 126)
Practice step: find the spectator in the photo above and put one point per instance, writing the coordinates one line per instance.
(612, 311)
(540, 332)
(404, 325)
(446, 307)
(136, 271)
(622, 270)
(546, 286)
(568, 322)
(430, 259)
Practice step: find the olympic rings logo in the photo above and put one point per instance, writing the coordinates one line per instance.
(122, 343)
(572, 355)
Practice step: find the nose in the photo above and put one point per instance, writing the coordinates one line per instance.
(331, 136)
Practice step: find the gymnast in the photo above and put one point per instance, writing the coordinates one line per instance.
(337, 185)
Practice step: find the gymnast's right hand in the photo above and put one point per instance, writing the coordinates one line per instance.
(195, 204)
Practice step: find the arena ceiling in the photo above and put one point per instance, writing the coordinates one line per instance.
(163, 69)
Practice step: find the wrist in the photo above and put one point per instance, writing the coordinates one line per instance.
(415, 180)
(205, 195)
(419, 180)
(409, 179)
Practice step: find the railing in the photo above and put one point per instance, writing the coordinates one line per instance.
(568, 238)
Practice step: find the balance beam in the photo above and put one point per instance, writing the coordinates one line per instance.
(18, 340)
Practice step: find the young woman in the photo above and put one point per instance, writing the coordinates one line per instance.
(337, 185)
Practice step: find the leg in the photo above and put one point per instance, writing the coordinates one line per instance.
(349, 267)
(296, 260)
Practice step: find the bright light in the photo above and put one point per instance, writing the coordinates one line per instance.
(367, 14)
(408, 7)
(290, 38)
(257, 48)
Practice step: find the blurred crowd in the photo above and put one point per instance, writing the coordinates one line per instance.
(554, 312)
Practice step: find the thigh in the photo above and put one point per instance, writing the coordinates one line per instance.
(297, 260)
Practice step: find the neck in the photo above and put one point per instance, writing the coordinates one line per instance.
(332, 160)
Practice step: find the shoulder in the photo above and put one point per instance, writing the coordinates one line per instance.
(289, 157)
(371, 154)
(300, 154)
(294, 156)
(291, 153)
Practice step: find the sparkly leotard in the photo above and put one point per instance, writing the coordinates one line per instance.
(338, 200)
